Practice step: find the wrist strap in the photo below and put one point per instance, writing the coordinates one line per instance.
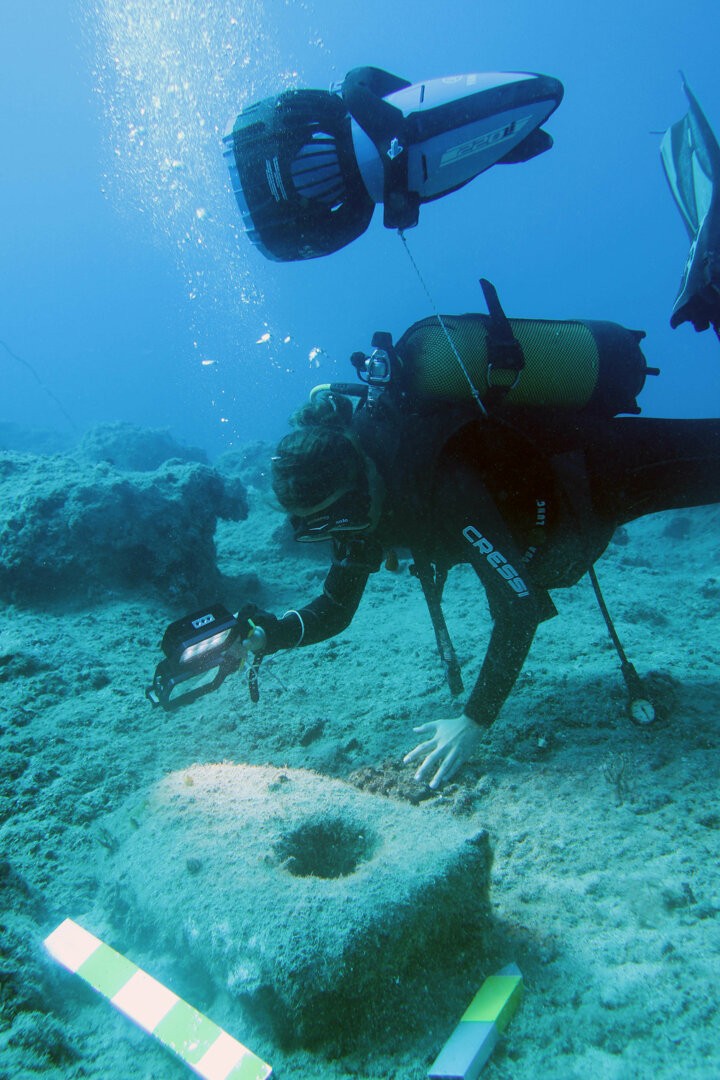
(302, 626)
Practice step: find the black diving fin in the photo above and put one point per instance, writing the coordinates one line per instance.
(691, 158)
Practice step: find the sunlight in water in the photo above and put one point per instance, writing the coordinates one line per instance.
(170, 76)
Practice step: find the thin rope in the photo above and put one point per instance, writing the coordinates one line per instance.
(42, 385)
(473, 390)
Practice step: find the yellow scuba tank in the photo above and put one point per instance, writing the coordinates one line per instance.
(567, 365)
(578, 365)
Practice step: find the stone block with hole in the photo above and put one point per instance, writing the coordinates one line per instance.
(316, 905)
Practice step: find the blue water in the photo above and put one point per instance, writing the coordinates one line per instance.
(123, 268)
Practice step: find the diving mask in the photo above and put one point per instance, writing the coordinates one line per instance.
(350, 513)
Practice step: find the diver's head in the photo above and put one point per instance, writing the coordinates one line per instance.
(325, 482)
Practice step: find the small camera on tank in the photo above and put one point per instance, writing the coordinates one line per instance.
(199, 655)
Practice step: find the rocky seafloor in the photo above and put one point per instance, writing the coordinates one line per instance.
(604, 884)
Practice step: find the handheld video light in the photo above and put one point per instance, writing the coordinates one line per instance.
(201, 650)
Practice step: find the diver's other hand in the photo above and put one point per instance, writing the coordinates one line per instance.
(449, 745)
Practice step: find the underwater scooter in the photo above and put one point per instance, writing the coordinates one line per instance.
(309, 166)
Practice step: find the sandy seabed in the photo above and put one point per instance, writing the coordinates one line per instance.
(605, 887)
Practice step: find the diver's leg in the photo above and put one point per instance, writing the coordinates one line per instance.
(641, 465)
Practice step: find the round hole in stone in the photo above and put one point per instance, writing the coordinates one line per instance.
(325, 848)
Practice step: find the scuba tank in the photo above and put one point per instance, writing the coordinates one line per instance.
(593, 366)
(576, 365)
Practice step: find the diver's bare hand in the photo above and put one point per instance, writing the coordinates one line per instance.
(450, 744)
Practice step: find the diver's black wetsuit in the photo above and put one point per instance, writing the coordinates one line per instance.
(530, 506)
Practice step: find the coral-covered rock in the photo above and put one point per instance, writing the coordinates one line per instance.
(135, 449)
(70, 528)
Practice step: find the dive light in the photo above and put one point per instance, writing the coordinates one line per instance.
(201, 650)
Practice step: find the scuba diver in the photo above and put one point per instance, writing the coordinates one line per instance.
(475, 439)
(528, 497)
